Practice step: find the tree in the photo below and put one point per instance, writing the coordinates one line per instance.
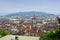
(53, 35)
(4, 33)
(58, 19)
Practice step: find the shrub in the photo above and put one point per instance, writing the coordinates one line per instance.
(4, 33)
(53, 35)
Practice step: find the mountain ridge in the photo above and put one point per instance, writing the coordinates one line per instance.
(30, 14)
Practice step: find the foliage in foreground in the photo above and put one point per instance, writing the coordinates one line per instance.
(4, 33)
(58, 19)
(53, 35)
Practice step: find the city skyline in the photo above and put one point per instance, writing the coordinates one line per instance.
(12, 6)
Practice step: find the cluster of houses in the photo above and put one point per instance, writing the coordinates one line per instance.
(28, 26)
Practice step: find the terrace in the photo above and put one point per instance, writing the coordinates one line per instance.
(9, 37)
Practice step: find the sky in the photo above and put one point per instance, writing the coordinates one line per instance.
(12, 6)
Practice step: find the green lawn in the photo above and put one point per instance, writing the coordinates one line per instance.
(9, 37)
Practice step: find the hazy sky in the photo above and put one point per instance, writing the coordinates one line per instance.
(11, 6)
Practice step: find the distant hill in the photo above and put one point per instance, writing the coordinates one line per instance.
(30, 14)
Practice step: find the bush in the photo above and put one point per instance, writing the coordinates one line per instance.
(4, 33)
(53, 35)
